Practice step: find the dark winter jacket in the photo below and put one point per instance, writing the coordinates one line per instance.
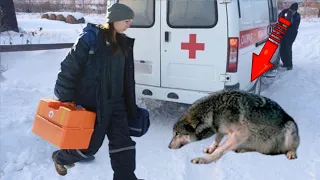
(292, 30)
(82, 78)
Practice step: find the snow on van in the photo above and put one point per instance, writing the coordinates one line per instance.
(185, 49)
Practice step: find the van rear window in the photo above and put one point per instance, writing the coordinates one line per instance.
(192, 13)
(144, 12)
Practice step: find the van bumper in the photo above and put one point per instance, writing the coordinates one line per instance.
(168, 94)
(174, 95)
(232, 87)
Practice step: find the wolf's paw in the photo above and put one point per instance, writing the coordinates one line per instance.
(291, 155)
(199, 161)
(209, 150)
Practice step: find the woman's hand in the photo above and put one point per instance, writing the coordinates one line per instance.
(70, 104)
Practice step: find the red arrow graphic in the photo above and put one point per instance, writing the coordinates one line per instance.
(261, 63)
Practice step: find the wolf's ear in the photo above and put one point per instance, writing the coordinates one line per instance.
(189, 128)
(193, 121)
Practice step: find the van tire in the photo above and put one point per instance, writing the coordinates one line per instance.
(257, 86)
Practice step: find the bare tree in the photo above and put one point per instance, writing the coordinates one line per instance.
(3, 25)
(305, 8)
(318, 9)
(311, 8)
(2, 69)
(73, 2)
(84, 6)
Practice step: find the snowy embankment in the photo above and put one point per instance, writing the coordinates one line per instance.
(34, 30)
(31, 76)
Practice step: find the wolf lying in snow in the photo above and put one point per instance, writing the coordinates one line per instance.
(252, 122)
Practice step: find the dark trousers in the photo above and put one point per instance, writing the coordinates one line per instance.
(286, 50)
(121, 146)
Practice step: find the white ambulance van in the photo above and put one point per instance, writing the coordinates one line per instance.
(185, 49)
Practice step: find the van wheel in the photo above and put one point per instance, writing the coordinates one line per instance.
(256, 89)
(257, 86)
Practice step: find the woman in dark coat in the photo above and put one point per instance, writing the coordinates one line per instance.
(98, 74)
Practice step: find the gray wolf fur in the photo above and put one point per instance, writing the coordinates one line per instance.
(252, 122)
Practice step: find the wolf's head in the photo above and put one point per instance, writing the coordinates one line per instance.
(189, 129)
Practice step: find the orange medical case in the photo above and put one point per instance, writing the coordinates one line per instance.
(65, 126)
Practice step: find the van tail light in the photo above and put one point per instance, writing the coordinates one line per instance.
(232, 61)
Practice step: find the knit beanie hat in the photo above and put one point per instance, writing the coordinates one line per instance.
(294, 6)
(119, 12)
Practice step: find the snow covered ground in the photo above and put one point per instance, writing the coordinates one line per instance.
(31, 76)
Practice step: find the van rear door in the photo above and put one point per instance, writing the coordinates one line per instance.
(194, 43)
(253, 24)
(145, 28)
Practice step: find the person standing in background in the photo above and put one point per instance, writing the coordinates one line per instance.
(288, 39)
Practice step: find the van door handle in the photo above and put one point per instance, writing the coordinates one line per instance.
(269, 29)
(261, 42)
(166, 36)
